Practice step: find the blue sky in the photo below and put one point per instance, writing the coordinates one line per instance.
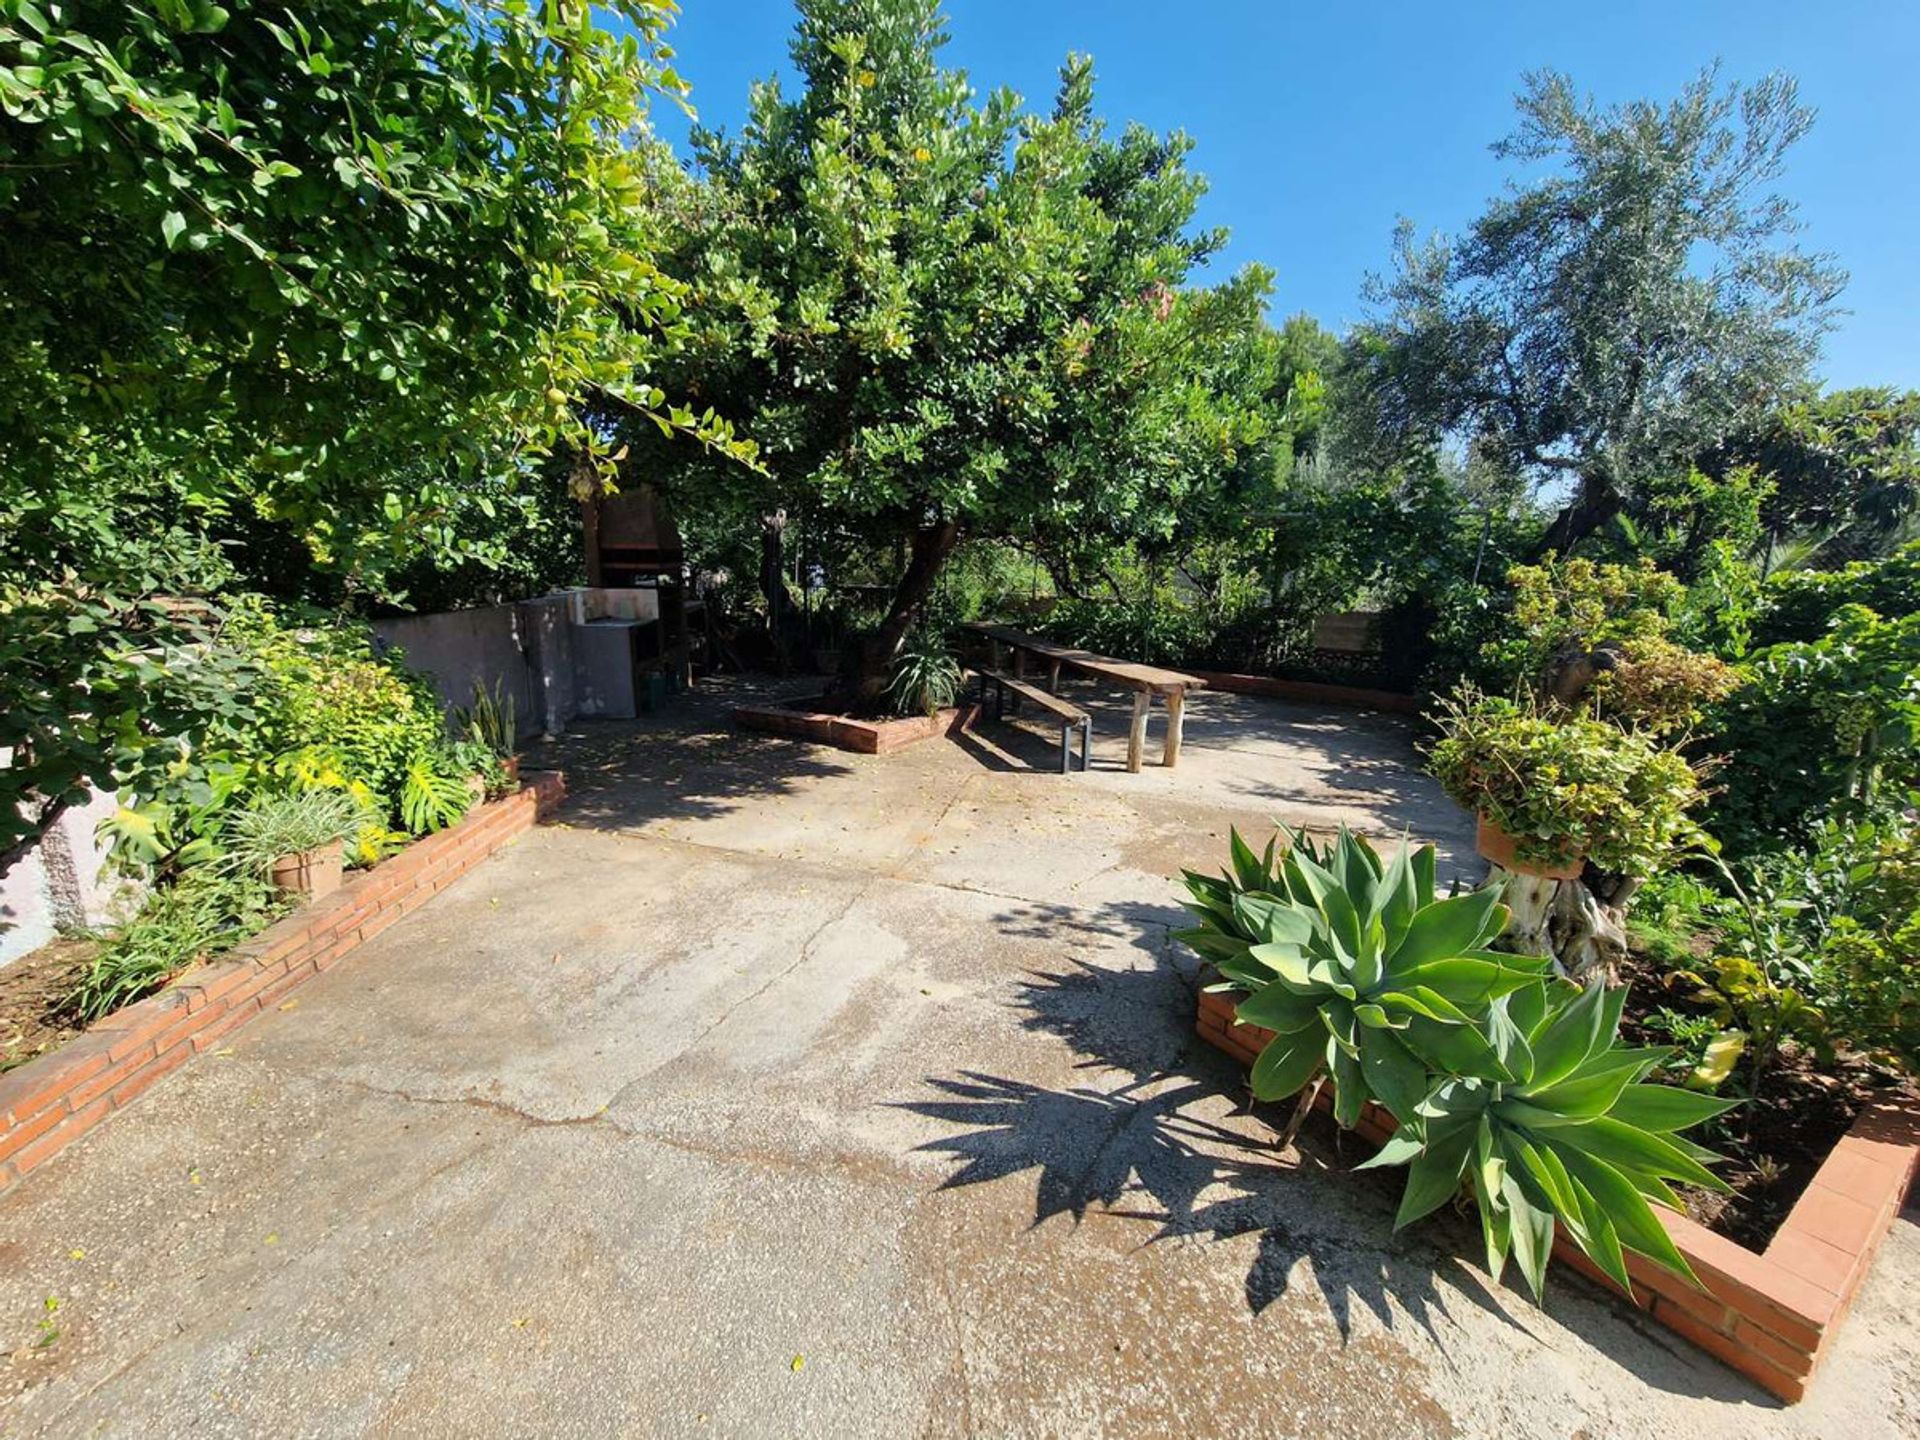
(1319, 124)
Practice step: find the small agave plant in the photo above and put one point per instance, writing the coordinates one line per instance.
(1503, 1078)
(1562, 1126)
(1363, 975)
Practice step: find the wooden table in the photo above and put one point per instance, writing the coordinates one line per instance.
(1146, 681)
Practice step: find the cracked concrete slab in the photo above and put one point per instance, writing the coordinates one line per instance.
(876, 1113)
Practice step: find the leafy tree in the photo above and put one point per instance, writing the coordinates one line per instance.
(942, 318)
(348, 271)
(1602, 325)
(1845, 469)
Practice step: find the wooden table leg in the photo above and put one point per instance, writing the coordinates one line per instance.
(1137, 736)
(1176, 715)
(1053, 677)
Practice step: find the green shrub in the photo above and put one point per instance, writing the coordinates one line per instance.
(1803, 605)
(210, 909)
(1566, 786)
(1819, 728)
(1866, 978)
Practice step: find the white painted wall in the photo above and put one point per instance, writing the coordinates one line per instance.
(63, 884)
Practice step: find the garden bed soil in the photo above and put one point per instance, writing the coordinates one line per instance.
(36, 1015)
(816, 718)
(1774, 1145)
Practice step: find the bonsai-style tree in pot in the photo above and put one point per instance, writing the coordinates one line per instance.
(1559, 798)
(296, 840)
(1580, 784)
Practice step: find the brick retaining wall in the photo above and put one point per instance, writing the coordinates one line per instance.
(1771, 1315)
(50, 1102)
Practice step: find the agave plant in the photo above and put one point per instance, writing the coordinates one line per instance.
(1557, 1125)
(1361, 972)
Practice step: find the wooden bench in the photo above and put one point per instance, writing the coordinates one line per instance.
(1071, 717)
(1146, 681)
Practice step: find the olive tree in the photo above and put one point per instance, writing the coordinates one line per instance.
(1609, 319)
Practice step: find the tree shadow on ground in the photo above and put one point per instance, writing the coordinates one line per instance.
(1173, 1146)
(1179, 1147)
(685, 761)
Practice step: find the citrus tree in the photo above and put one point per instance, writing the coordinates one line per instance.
(943, 317)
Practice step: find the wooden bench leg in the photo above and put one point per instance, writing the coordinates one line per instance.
(1053, 678)
(1176, 715)
(1137, 736)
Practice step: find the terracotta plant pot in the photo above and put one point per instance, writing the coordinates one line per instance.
(511, 764)
(1497, 845)
(313, 873)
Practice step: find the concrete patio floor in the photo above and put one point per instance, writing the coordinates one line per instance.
(778, 1091)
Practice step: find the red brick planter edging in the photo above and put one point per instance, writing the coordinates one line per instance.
(862, 737)
(48, 1103)
(1308, 692)
(1770, 1315)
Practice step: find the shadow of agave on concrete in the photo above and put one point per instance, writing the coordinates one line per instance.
(1142, 1153)
(1167, 1148)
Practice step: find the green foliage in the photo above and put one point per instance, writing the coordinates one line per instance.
(338, 324)
(941, 316)
(334, 285)
(1858, 914)
(1155, 629)
(434, 792)
(491, 720)
(926, 677)
(288, 824)
(1802, 605)
(1611, 621)
(1502, 1079)
(1354, 964)
(1819, 728)
(1623, 306)
(122, 687)
(1566, 786)
(1844, 469)
(210, 909)
(1556, 1126)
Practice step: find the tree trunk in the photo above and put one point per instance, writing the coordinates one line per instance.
(869, 663)
(1594, 503)
(1584, 928)
(773, 585)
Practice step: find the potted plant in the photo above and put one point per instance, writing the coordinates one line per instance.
(296, 840)
(491, 722)
(1552, 794)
